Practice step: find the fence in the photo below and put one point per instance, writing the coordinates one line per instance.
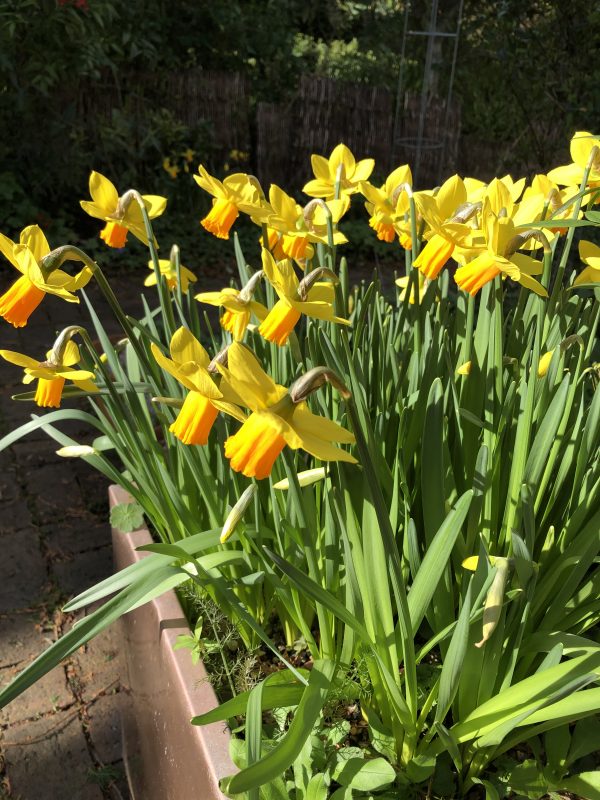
(281, 138)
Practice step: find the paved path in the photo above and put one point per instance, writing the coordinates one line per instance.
(61, 739)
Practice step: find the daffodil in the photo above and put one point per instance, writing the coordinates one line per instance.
(238, 304)
(498, 256)
(170, 167)
(52, 373)
(589, 253)
(121, 214)
(169, 270)
(447, 214)
(403, 284)
(279, 417)
(189, 364)
(388, 206)
(552, 198)
(310, 297)
(27, 292)
(300, 227)
(581, 147)
(340, 169)
(236, 193)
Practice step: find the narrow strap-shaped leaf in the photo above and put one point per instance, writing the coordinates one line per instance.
(435, 560)
(283, 755)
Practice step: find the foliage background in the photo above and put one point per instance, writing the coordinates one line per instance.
(526, 78)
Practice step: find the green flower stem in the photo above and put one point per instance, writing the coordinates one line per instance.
(163, 291)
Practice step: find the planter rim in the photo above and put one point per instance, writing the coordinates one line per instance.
(195, 694)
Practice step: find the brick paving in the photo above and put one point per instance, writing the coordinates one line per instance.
(61, 738)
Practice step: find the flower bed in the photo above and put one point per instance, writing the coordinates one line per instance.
(438, 561)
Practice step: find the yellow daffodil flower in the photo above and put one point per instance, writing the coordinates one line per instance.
(301, 227)
(276, 420)
(52, 373)
(189, 364)
(388, 206)
(447, 215)
(121, 214)
(168, 269)
(189, 155)
(239, 306)
(340, 166)
(235, 193)
(27, 292)
(552, 197)
(171, 168)
(589, 253)
(403, 284)
(498, 256)
(572, 174)
(314, 299)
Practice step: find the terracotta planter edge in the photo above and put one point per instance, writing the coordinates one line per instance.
(166, 757)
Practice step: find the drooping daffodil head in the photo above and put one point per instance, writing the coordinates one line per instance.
(36, 280)
(122, 214)
(238, 306)
(169, 270)
(52, 373)
(278, 418)
(310, 297)
(189, 364)
(237, 192)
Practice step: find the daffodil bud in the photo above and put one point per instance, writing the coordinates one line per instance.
(76, 451)
(464, 369)
(306, 478)
(313, 380)
(237, 512)
(494, 599)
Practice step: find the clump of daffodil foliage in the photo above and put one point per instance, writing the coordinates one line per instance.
(406, 487)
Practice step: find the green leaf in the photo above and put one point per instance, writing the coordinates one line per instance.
(283, 755)
(127, 517)
(317, 788)
(421, 768)
(586, 784)
(363, 775)
(435, 560)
